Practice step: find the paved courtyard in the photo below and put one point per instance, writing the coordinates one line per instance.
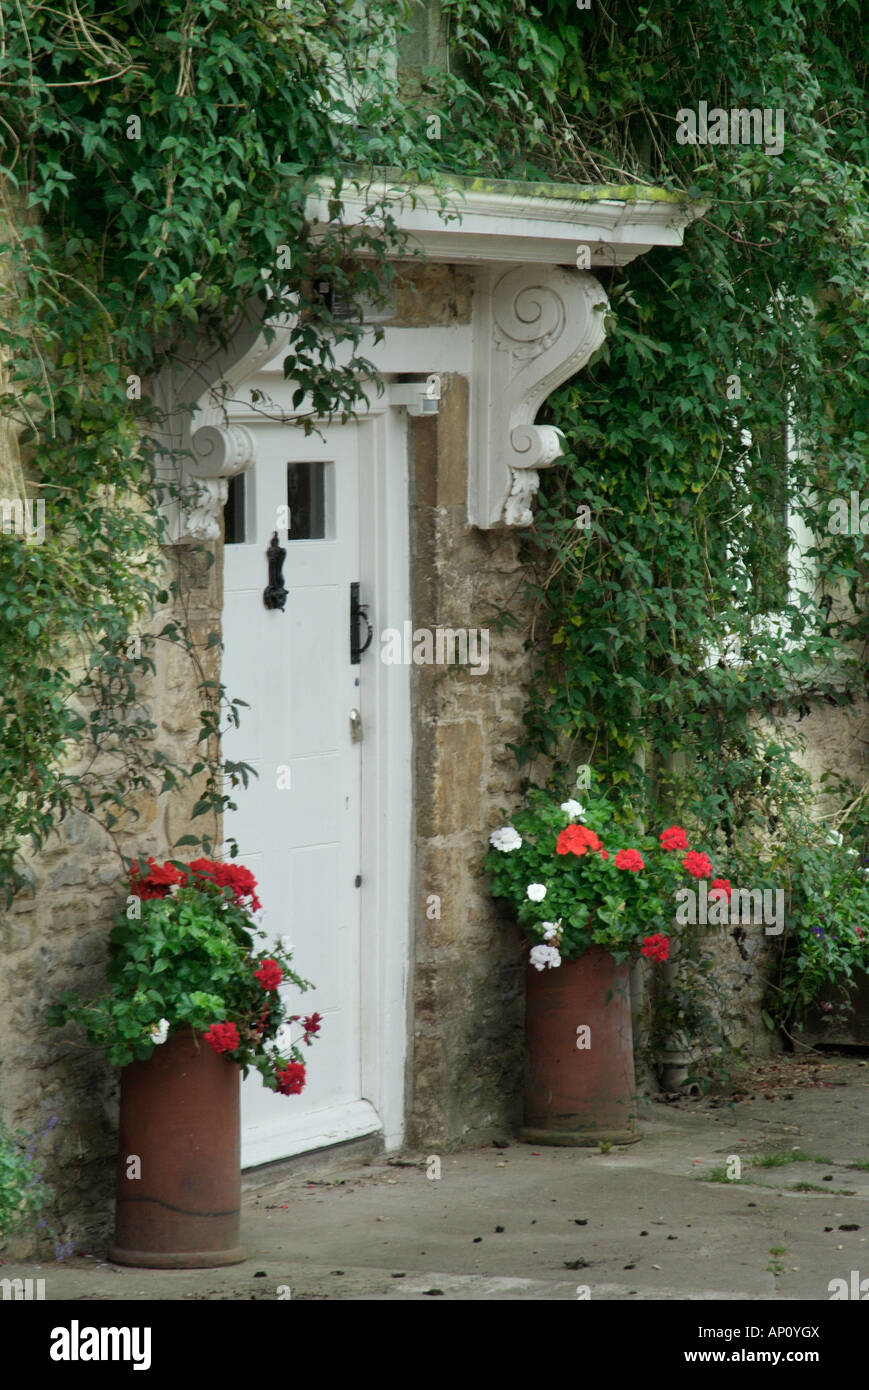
(509, 1221)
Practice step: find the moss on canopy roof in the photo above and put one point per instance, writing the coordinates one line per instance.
(570, 192)
(505, 188)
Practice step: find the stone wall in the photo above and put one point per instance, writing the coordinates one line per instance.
(468, 980)
(466, 1055)
(833, 740)
(741, 956)
(55, 937)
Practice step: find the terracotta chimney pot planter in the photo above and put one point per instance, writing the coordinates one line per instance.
(579, 1095)
(180, 1118)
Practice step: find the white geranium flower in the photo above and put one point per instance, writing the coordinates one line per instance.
(573, 809)
(536, 892)
(283, 1039)
(160, 1031)
(505, 839)
(544, 956)
(286, 945)
(835, 836)
(551, 929)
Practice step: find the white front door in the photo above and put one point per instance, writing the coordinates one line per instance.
(298, 824)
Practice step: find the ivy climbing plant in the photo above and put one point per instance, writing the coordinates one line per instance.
(680, 635)
(156, 163)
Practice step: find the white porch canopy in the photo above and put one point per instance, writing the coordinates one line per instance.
(538, 318)
(495, 220)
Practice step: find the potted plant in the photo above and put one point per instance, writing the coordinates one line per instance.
(191, 1005)
(591, 894)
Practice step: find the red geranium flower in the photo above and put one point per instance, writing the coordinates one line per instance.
(629, 859)
(603, 854)
(656, 947)
(203, 868)
(269, 974)
(291, 1080)
(697, 864)
(720, 888)
(577, 839)
(673, 838)
(155, 880)
(223, 1037)
(234, 876)
(312, 1024)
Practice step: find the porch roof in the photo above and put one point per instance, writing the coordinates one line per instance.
(474, 220)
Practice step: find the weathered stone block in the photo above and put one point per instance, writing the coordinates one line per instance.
(429, 296)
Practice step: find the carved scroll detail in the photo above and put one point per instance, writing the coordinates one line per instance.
(540, 325)
(191, 394)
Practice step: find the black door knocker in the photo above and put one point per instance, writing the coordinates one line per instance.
(274, 594)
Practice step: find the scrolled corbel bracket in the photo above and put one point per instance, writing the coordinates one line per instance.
(202, 447)
(219, 452)
(535, 327)
(204, 501)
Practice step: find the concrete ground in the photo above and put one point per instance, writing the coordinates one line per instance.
(517, 1222)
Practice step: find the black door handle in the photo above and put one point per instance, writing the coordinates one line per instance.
(358, 610)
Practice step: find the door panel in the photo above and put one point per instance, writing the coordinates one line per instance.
(303, 841)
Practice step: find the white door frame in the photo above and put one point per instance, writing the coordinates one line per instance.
(386, 750)
(387, 768)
